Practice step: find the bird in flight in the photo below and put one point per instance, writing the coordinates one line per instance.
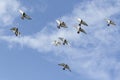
(24, 15)
(64, 41)
(110, 22)
(56, 43)
(15, 31)
(61, 24)
(82, 22)
(79, 29)
(65, 66)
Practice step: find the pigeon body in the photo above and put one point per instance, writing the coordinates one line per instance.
(24, 15)
(79, 29)
(61, 24)
(82, 22)
(110, 22)
(56, 43)
(15, 31)
(64, 41)
(65, 66)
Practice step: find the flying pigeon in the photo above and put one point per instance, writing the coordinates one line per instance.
(82, 22)
(24, 15)
(65, 66)
(79, 29)
(64, 41)
(15, 30)
(61, 24)
(56, 43)
(110, 22)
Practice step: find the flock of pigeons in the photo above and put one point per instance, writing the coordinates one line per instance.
(23, 16)
(60, 24)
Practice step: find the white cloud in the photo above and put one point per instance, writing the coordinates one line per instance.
(8, 11)
(94, 54)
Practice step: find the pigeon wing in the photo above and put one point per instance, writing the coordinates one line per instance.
(14, 28)
(62, 64)
(58, 22)
(79, 19)
(56, 43)
(112, 23)
(83, 22)
(62, 39)
(21, 12)
(82, 30)
(28, 17)
(67, 67)
(64, 25)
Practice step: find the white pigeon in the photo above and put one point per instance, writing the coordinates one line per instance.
(15, 31)
(56, 43)
(65, 66)
(79, 29)
(64, 41)
(82, 22)
(24, 15)
(110, 22)
(61, 24)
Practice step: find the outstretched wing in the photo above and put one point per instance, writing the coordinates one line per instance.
(62, 39)
(67, 67)
(111, 22)
(56, 43)
(21, 12)
(28, 17)
(63, 24)
(84, 23)
(82, 30)
(13, 29)
(58, 22)
(79, 19)
(62, 64)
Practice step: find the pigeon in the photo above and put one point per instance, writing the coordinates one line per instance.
(82, 22)
(64, 41)
(56, 43)
(61, 24)
(110, 22)
(24, 15)
(79, 29)
(65, 66)
(15, 30)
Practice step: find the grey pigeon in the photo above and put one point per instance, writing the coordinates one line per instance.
(15, 31)
(79, 29)
(110, 22)
(24, 15)
(82, 22)
(61, 24)
(56, 43)
(64, 41)
(65, 66)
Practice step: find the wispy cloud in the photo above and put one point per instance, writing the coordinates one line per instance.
(8, 10)
(95, 55)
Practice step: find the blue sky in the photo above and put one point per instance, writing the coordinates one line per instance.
(31, 56)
